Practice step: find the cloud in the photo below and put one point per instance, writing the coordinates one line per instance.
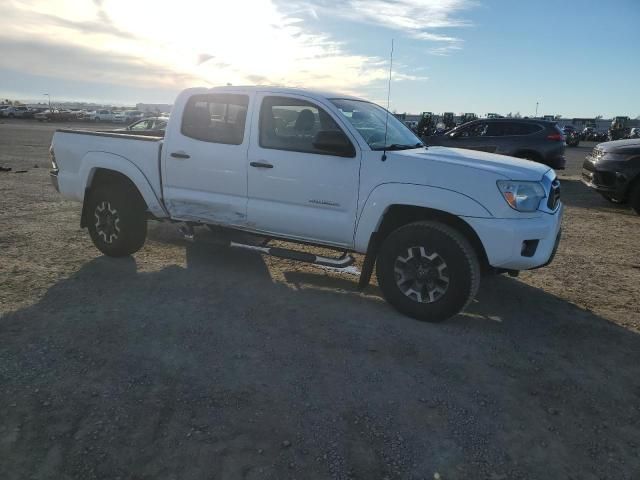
(414, 18)
(81, 63)
(149, 44)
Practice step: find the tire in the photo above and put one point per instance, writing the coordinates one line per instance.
(444, 259)
(634, 197)
(116, 219)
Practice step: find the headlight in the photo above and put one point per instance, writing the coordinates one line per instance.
(522, 196)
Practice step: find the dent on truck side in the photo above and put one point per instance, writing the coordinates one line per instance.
(92, 161)
(436, 198)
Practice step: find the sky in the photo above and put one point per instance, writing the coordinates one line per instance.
(577, 59)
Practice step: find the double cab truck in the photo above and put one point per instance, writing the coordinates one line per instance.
(322, 169)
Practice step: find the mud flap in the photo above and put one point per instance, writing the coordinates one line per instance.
(369, 261)
(84, 220)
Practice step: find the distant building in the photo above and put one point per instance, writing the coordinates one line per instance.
(154, 107)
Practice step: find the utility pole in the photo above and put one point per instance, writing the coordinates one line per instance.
(49, 97)
(537, 103)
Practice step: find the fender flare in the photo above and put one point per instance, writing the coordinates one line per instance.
(385, 195)
(92, 161)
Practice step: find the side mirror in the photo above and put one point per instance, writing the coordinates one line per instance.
(334, 142)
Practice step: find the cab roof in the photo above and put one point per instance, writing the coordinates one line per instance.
(320, 94)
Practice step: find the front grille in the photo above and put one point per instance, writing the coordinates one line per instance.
(596, 154)
(554, 195)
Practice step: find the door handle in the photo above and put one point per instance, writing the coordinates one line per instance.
(180, 155)
(261, 165)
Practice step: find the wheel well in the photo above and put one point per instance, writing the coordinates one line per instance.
(398, 215)
(103, 176)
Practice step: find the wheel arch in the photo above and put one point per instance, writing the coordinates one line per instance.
(398, 215)
(98, 167)
(529, 154)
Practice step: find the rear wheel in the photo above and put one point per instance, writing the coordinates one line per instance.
(116, 220)
(428, 271)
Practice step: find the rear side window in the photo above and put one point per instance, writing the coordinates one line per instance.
(216, 118)
(510, 129)
(292, 124)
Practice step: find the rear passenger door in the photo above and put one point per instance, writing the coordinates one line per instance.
(295, 189)
(205, 170)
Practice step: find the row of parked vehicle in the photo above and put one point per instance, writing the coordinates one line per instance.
(59, 114)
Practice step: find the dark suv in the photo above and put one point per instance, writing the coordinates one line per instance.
(538, 140)
(613, 170)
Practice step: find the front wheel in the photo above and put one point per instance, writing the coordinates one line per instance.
(116, 220)
(428, 271)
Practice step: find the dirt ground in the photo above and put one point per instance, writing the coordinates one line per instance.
(194, 361)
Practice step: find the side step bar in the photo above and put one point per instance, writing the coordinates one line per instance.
(343, 261)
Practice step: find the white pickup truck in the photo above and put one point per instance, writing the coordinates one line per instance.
(321, 169)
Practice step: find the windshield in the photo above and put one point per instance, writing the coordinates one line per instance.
(369, 119)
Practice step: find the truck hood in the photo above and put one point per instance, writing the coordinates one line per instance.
(509, 167)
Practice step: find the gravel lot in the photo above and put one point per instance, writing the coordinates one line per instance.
(193, 361)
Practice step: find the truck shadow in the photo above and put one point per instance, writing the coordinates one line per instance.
(184, 371)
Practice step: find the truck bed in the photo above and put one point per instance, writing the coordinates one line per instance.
(79, 152)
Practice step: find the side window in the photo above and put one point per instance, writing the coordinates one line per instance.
(498, 129)
(300, 126)
(514, 129)
(142, 125)
(477, 130)
(216, 118)
(161, 125)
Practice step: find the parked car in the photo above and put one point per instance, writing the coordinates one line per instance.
(537, 140)
(587, 133)
(102, 116)
(119, 117)
(613, 170)
(572, 138)
(330, 170)
(133, 115)
(634, 133)
(152, 126)
(53, 115)
(20, 111)
(82, 115)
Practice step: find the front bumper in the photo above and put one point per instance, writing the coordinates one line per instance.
(504, 240)
(53, 176)
(605, 177)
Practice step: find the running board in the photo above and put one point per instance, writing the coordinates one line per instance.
(343, 261)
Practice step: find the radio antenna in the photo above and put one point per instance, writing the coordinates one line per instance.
(386, 118)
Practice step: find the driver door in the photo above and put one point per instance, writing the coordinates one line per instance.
(296, 190)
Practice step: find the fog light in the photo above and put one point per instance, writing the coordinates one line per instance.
(529, 248)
